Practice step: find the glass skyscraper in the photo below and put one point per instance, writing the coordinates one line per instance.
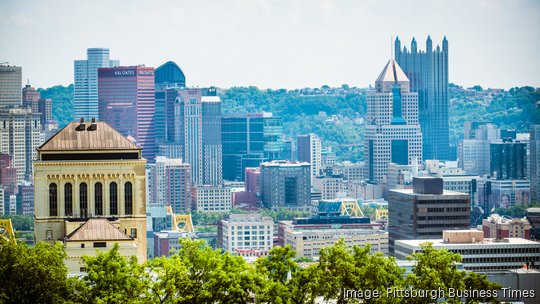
(86, 82)
(428, 75)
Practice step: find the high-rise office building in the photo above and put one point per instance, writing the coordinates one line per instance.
(508, 159)
(474, 149)
(10, 85)
(248, 140)
(126, 101)
(309, 150)
(286, 185)
(32, 99)
(535, 163)
(424, 211)
(85, 96)
(428, 74)
(90, 192)
(392, 131)
(169, 184)
(20, 136)
(169, 76)
(197, 130)
(8, 175)
(25, 199)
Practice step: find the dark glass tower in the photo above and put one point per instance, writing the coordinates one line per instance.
(428, 74)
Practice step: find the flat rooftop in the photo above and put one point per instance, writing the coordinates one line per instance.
(486, 242)
(411, 192)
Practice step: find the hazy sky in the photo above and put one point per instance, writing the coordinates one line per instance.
(273, 44)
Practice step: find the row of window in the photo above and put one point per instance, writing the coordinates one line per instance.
(83, 199)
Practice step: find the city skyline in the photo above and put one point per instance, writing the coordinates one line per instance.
(274, 44)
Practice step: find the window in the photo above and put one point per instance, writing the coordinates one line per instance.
(100, 244)
(82, 245)
(128, 198)
(83, 199)
(98, 197)
(48, 235)
(113, 198)
(133, 232)
(68, 199)
(53, 200)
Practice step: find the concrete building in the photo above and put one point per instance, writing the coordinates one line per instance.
(493, 193)
(246, 231)
(208, 198)
(126, 100)
(335, 219)
(285, 185)
(79, 177)
(474, 149)
(351, 171)
(2, 202)
(309, 149)
(535, 163)
(10, 85)
(25, 199)
(428, 74)
(85, 96)
(169, 184)
(20, 136)
(479, 254)
(8, 175)
(248, 140)
(496, 226)
(392, 134)
(533, 216)
(168, 242)
(425, 211)
(508, 159)
(32, 99)
(330, 185)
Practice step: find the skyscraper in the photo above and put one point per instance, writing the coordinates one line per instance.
(10, 85)
(535, 163)
(392, 132)
(286, 185)
(428, 75)
(126, 101)
(309, 150)
(32, 99)
(86, 82)
(474, 149)
(248, 140)
(169, 184)
(508, 160)
(197, 130)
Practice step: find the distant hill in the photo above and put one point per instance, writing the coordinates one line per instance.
(63, 108)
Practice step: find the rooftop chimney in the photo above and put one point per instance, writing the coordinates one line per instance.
(81, 126)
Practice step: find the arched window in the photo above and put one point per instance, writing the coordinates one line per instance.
(128, 198)
(113, 198)
(83, 199)
(68, 199)
(53, 200)
(98, 196)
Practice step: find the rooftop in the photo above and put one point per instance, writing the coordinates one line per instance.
(392, 73)
(438, 243)
(97, 229)
(411, 192)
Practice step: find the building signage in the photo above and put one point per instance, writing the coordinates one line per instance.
(124, 73)
(146, 73)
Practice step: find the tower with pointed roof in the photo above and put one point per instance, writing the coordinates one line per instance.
(392, 134)
(87, 171)
(428, 74)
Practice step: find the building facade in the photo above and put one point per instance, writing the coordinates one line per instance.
(169, 184)
(79, 177)
(309, 149)
(392, 133)
(508, 159)
(126, 101)
(10, 85)
(535, 163)
(496, 226)
(20, 136)
(246, 231)
(424, 211)
(428, 74)
(209, 198)
(286, 185)
(85, 96)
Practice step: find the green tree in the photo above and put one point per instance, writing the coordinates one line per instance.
(33, 275)
(337, 267)
(112, 278)
(475, 281)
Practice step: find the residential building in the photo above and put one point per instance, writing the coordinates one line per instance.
(428, 74)
(479, 254)
(246, 231)
(496, 226)
(285, 185)
(508, 159)
(392, 133)
(424, 211)
(209, 198)
(335, 219)
(309, 149)
(169, 184)
(79, 177)
(10, 85)
(85, 98)
(126, 99)
(535, 163)
(248, 140)
(20, 135)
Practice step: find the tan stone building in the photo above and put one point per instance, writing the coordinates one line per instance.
(88, 171)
